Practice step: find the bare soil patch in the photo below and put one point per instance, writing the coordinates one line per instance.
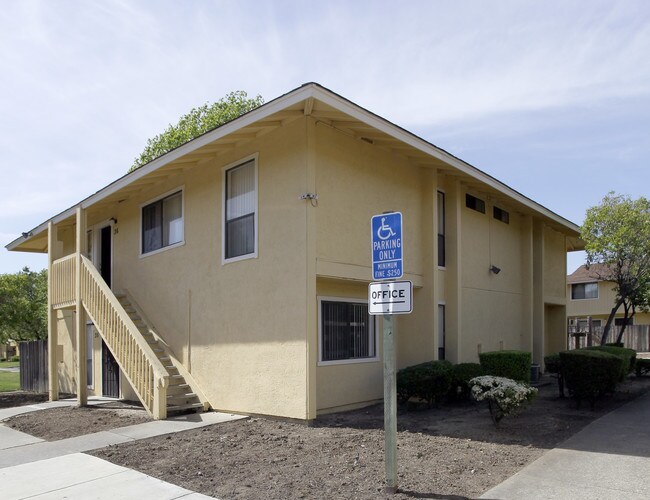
(449, 452)
(61, 423)
(21, 398)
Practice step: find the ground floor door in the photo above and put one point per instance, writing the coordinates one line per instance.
(110, 374)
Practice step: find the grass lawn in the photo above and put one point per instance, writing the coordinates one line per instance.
(9, 381)
(9, 364)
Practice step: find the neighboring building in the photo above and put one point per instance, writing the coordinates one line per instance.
(589, 296)
(248, 252)
(9, 350)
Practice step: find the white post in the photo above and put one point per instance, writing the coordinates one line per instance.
(52, 330)
(80, 320)
(390, 406)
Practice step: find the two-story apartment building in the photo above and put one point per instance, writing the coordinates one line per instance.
(232, 272)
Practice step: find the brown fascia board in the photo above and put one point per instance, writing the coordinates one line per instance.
(306, 91)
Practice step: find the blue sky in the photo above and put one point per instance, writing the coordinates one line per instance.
(550, 97)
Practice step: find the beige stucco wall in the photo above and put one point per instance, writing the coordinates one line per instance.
(238, 327)
(492, 304)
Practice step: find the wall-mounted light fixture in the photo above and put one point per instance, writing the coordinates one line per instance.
(113, 220)
(495, 269)
(27, 235)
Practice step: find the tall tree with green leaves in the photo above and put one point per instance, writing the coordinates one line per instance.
(198, 121)
(617, 235)
(23, 305)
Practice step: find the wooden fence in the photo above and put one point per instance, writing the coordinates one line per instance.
(635, 337)
(33, 366)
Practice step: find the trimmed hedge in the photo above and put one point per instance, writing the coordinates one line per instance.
(429, 381)
(462, 373)
(627, 355)
(642, 367)
(509, 364)
(590, 373)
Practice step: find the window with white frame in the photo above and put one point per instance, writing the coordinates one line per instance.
(346, 331)
(580, 291)
(441, 229)
(162, 222)
(240, 211)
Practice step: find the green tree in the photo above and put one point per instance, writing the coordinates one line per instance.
(198, 121)
(617, 235)
(23, 305)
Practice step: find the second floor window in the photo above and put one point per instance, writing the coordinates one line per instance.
(240, 210)
(584, 291)
(162, 223)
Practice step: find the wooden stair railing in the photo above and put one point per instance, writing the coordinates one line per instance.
(133, 354)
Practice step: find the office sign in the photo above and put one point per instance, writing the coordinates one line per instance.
(390, 297)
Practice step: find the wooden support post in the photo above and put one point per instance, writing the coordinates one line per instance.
(390, 406)
(52, 329)
(80, 320)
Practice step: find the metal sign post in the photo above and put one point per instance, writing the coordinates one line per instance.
(388, 298)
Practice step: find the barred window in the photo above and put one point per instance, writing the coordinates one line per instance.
(346, 331)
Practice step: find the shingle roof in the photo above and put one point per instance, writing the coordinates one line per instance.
(584, 275)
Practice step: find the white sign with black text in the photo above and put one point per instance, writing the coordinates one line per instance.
(390, 297)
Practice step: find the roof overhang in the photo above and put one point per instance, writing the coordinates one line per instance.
(328, 108)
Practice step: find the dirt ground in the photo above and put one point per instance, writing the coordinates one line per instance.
(62, 423)
(449, 452)
(20, 398)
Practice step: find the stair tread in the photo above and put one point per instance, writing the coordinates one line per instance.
(188, 406)
(182, 395)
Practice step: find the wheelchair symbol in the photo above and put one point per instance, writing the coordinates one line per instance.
(384, 232)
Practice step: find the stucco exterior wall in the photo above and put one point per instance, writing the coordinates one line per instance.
(492, 304)
(238, 327)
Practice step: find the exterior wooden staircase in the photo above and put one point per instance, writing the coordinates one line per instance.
(183, 394)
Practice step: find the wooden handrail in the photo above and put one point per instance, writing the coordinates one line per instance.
(133, 354)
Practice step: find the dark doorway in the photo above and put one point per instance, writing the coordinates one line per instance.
(110, 374)
(105, 254)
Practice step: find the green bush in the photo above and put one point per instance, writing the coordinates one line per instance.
(428, 381)
(509, 364)
(461, 374)
(627, 355)
(590, 373)
(642, 367)
(15, 358)
(614, 344)
(552, 363)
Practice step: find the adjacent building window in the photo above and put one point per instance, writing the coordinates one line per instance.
(441, 229)
(441, 331)
(584, 291)
(162, 223)
(347, 331)
(500, 214)
(240, 211)
(619, 321)
(474, 203)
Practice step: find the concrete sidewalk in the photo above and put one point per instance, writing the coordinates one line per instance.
(608, 459)
(31, 467)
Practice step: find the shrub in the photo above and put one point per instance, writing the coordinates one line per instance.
(15, 358)
(504, 396)
(627, 355)
(642, 367)
(508, 364)
(554, 367)
(590, 373)
(429, 381)
(462, 373)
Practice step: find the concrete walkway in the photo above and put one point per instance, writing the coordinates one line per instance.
(608, 459)
(31, 467)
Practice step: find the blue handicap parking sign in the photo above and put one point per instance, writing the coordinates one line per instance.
(387, 246)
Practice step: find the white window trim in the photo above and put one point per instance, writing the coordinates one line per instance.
(178, 189)
(373, 325)
(225, 169)
(587, 283)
